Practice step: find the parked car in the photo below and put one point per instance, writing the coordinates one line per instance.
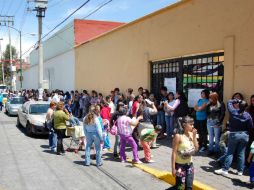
(12, 106)
(32, 116)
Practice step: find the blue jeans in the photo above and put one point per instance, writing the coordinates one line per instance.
(237, 142)
(214, 137)
(169, 124)
(161, 120)
(91, 138)
(223, 154)
(52, 139)
(106, 141)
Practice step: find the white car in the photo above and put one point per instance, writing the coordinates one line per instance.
(13, 105)
(32, 116)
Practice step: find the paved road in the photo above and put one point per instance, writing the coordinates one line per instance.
(26, 163)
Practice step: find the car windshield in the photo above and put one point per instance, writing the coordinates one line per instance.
(17, 101)
(38, 108)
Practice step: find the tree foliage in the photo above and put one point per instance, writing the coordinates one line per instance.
(6, 61)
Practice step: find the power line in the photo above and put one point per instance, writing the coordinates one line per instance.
(65, 19)
(9, 7)
(91, 13)
(56, 3)
(19, 6)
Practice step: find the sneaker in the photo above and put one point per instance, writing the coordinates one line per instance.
(240, 173)
(150, 161)
(123, 161)
(202, 149)
(137, 162)
(221, 172)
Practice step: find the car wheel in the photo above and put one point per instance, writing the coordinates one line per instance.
(29, 130)
(18, 122)
(6, 112)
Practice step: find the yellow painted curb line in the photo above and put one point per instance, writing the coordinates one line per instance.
(168, 177)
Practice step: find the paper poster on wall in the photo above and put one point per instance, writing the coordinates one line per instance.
(170, 83)
(193, 96)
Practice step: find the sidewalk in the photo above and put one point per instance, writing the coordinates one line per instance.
(204, 168)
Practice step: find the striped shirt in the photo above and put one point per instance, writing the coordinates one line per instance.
(123, 125)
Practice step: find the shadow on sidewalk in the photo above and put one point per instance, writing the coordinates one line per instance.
(239, 183)
(45, 146)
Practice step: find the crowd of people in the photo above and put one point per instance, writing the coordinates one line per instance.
(140, 120)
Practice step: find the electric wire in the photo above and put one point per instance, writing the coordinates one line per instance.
(11, 2)
(65, 19)
(91, 13)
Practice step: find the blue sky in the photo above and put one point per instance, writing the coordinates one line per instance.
(117, 10)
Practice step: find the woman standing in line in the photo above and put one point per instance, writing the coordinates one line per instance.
(201, 119)
(60, 117)
(93, 133)
(215, 115)
(169, 114)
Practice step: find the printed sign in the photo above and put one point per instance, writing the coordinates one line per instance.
(193, 96)
(170, 83)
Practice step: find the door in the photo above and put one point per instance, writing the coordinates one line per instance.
(204, 71)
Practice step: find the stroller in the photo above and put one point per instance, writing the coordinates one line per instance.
(76, 133)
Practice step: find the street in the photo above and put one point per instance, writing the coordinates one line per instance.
(26, 163)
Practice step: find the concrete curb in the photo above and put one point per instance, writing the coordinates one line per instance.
(168, 177)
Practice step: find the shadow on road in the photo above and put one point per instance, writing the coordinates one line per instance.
(49, 152)
(23, 130)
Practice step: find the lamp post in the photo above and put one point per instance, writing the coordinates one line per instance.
(2, 63)
(20, 54)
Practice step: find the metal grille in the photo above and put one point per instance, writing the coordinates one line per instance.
(198, 72)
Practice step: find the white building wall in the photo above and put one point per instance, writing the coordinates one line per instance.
(59, 70)
(57, 44)
(30, 78)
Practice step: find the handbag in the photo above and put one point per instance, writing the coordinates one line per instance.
(113, 130)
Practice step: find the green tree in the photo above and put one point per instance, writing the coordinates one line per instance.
(6, 61)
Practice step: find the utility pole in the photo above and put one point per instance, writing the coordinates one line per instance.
(10, 23)
(40, 7)
(2, 63)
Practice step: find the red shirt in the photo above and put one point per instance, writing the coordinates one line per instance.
(105, 113)
(134, 108)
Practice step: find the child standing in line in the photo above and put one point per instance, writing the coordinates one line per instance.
(147, 137)
(105, 115)
(251, 161)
